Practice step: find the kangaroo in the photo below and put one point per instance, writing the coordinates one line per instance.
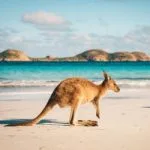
(73, 92)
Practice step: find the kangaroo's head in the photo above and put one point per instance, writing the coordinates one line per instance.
(110, 83)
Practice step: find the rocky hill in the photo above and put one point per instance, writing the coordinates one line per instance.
(13, 55)
(95, 55)
(101, 55)
(90, 55)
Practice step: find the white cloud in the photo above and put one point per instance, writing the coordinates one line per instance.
(10, 38)
(43, 18)
(47, 21)
(71, 43)
(141, 35)
(135, 40)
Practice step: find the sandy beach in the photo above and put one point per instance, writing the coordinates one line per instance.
(124, 124)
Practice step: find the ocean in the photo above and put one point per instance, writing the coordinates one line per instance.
(42, 77)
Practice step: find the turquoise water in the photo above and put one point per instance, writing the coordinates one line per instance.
(127, 74)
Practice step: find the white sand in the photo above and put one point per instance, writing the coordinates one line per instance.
(124, 125)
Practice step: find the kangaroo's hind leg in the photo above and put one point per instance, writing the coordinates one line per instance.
(74, 109)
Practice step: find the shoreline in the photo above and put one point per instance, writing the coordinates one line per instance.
(87, 61)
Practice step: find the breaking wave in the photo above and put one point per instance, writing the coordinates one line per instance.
(124, 83)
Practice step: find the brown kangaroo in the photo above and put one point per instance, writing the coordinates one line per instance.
(73, 92)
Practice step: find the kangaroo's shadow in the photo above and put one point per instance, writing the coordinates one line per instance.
(42, 122)
(145, 106)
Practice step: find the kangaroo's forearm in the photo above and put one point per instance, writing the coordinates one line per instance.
(96, 105)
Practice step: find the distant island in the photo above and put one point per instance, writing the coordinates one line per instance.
(89, 55)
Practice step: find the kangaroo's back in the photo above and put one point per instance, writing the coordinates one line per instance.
(74, 88)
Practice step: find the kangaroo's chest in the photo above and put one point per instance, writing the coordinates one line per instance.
(88, 97)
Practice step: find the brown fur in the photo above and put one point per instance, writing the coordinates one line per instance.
(73, 92)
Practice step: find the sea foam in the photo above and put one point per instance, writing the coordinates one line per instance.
(124, 83)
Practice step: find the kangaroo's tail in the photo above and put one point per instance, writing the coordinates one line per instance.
(46, 109)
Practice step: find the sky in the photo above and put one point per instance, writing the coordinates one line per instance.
(68, 27)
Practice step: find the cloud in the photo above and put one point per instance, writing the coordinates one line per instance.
(71, 43)
(47, 21)
(9, 35)
(7, 31)
(135, 40)
(43, 18)
(141, 34)
(12, 38)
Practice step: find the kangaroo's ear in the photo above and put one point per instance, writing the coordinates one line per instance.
(105, 75)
